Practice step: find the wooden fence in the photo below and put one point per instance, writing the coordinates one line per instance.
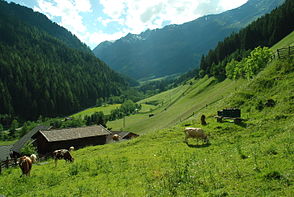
(285, 52)
(8, 163)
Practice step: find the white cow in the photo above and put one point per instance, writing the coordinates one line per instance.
(71, 148)
(115, 137)
(197, 133)
(33, 158)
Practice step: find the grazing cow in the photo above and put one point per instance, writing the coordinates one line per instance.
(25, 164)
(33, 158)
(197, 133)
(203, 122)
(115, 137)
(71, 148)
(62, 154)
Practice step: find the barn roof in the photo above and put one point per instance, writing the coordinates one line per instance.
(4, 152)
(22, 141)
(74, 133)
(123, 134)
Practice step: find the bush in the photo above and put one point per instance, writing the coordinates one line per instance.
(72, 123)
(96, 118)
(250, 66)
(29, 149)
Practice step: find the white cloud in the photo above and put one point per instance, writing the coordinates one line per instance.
(69, 12)
(100, 36)
(83, 5)
(105, 22)
(139, 15)
(230, 4)
(124, 16)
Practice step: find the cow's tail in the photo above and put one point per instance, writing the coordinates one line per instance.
(25, 166)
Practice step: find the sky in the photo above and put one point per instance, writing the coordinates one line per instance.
(95, 21)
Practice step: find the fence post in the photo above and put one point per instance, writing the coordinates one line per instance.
(0, 167)
(7, 162)
(278, 53)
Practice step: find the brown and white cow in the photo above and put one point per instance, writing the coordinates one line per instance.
(62, 154)
(197, 133)
(115, 137)
(25, 164)
(34, 158)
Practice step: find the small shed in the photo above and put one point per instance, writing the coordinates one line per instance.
(229, 113)
(16, 148)
(48, 141)
(124, 135)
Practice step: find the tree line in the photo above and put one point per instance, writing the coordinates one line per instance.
(41, 22)
(264, 32)
(15, 129)
(127, 108)
(41, 76)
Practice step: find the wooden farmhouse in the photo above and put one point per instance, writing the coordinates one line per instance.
(48, 141)
(27, 138)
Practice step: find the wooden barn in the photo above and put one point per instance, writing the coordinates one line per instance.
(16, 148)
(48, 141)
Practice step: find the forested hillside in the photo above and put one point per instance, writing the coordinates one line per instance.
(41, 22)
(265, 31)
(177, 48)
(41, 75)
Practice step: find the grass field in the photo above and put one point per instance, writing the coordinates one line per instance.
(254, 158)
(105, 109)
(176, 105)
(4, 143)
(287, 41)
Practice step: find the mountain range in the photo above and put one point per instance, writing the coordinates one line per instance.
(45, 70)
(41, 22)
(177, 48)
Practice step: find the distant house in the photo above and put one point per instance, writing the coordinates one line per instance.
(124, 135)
(16, 148)
(4, 152)
(48, 141)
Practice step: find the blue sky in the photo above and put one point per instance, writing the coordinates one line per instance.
(94, 21)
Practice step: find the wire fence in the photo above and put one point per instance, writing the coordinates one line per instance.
(285, 52)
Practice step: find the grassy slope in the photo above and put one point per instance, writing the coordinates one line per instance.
(252, 159)
(5, 143)
(105, 109)
(287, 41)
(177, 105)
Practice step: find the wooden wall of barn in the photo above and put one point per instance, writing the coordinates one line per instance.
(45, 147)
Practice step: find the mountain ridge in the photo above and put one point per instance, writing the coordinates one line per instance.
(176, 48)
(51, 78)
(41, 21)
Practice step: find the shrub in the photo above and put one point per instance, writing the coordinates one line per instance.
(250, 66)
(29, 149)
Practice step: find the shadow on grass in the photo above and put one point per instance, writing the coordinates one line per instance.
(241, 124)
(198, 145)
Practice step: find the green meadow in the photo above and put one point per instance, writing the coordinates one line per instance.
(106, 109)
(176, 105)
(5, 143)
(253, 158)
